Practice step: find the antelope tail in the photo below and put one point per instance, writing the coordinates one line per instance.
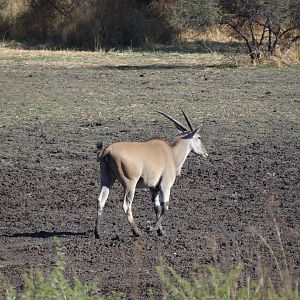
(99, 150)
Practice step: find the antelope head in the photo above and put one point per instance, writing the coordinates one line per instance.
(191, 134)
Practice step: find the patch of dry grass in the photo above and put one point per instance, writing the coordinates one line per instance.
(222, 34)
(110, 58)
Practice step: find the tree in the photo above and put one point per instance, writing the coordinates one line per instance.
(196, 14)
(263, 25)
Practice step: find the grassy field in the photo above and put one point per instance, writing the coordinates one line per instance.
(132, 66)
(55, 106)
(133, 80)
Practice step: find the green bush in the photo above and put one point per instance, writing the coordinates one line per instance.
(221, 286)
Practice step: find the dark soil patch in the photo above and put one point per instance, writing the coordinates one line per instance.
(49, 187)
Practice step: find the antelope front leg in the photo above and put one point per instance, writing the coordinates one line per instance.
(164, 206)
(156, 204)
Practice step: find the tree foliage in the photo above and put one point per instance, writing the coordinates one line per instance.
(183, 14)
(63, 7)
(264, 25)
(91, 24)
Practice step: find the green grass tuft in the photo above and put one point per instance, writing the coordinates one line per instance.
(222, 286)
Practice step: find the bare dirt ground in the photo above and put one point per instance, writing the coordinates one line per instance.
(52, 115)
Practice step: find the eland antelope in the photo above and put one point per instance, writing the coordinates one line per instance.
(153, 164)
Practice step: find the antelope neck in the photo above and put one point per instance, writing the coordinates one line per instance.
(181, 150)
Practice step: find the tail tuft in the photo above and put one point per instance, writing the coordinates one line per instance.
(99, 150)
(99, 145)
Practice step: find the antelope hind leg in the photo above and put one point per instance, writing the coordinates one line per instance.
(128, 198)
(101, 202)
(107, 182)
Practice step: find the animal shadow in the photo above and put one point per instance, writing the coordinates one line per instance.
(47, 234)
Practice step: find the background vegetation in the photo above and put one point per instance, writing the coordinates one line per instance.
(88, 24)
(264, 27)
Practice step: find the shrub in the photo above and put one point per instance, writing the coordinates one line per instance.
(86, 24)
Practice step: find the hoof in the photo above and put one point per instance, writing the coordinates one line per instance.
(151, 229)
(154, 228)
(136, 232)
(161, 232)
(96, 234)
